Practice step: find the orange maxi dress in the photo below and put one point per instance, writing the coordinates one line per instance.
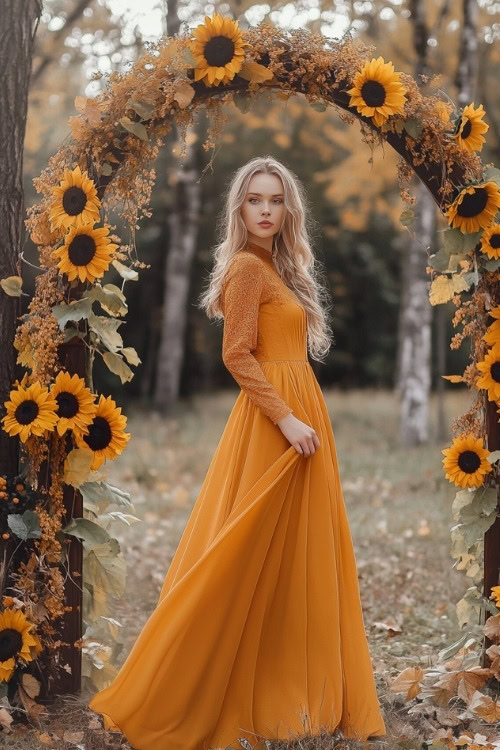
(258, 631)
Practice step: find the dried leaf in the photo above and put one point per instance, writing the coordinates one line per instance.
(77, 466)
(31, 685)
(184, 93)
(443, 288)
(131, 355)
(124, 271)
(12, 285)
(254, 72)
(116, 364)
(408, 681)
(136, 128)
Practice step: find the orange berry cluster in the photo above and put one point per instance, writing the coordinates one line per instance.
(15, 497)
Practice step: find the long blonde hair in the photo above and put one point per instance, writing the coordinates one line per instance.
(292, 254)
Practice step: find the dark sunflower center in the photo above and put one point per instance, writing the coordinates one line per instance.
(473, 204)
(81, 250)
(219, 50)
(495, 371)
(373, 93)
(74, 200)
(495, 241)
(67, 404)
(10, 643)
(466, 129)
(26, 412)
(469, 462)
(99, 435)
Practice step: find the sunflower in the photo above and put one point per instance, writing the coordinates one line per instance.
(492, 334)
(75, 201)
(218, 47)
(495, 593)
(475, 207)
(490, 367)
(86, 253)
(470, 128)
(377, 91)
(490, 241)
(30, 411)
(105, 435)
(465, 462)
(75, 402)
(15, 640)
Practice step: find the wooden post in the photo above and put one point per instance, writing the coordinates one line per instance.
(68, 662)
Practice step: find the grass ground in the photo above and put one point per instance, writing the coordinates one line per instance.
(399, 508)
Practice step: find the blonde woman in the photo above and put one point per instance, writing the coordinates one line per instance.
(258, 632)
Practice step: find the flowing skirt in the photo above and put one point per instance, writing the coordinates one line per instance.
(258, 631)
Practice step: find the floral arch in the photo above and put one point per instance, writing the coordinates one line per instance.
(52, 509)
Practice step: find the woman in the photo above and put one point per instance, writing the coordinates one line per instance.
(258, 632)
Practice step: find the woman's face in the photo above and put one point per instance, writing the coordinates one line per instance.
(263, 202)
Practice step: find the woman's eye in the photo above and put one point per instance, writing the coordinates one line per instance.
(255, 199)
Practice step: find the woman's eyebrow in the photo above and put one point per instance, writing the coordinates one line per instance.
(273, 196)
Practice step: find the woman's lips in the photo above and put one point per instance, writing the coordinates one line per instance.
(265, 224)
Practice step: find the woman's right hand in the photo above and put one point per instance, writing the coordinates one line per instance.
(303, 438)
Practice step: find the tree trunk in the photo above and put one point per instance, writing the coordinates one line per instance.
(414, 338)
(415, 327)
(19, 22)
(183, 225)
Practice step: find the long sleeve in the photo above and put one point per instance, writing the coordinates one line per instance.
(241, 295)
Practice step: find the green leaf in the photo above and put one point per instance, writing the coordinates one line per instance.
(461, 499)
(25, 526)
(242, 102)
(124, 271)
(413, 127)
(188, 57)
(106, 330)
(78, 310)
(12, 285)
(110, 297)
(492, 264)
(104, 567)
(449, 651)
(136, 128)
(493, 174)
(99, 492)
(70, 332)
(471, 277)
(453, 241)
(117, 364)
(441, 261)
(91, 533)
(318, 106)
(494, 456)
(470, 240)
(118, 515)
(407, 217)
(106, 169)
(457, 243)
(475, 530)
(144, 109)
